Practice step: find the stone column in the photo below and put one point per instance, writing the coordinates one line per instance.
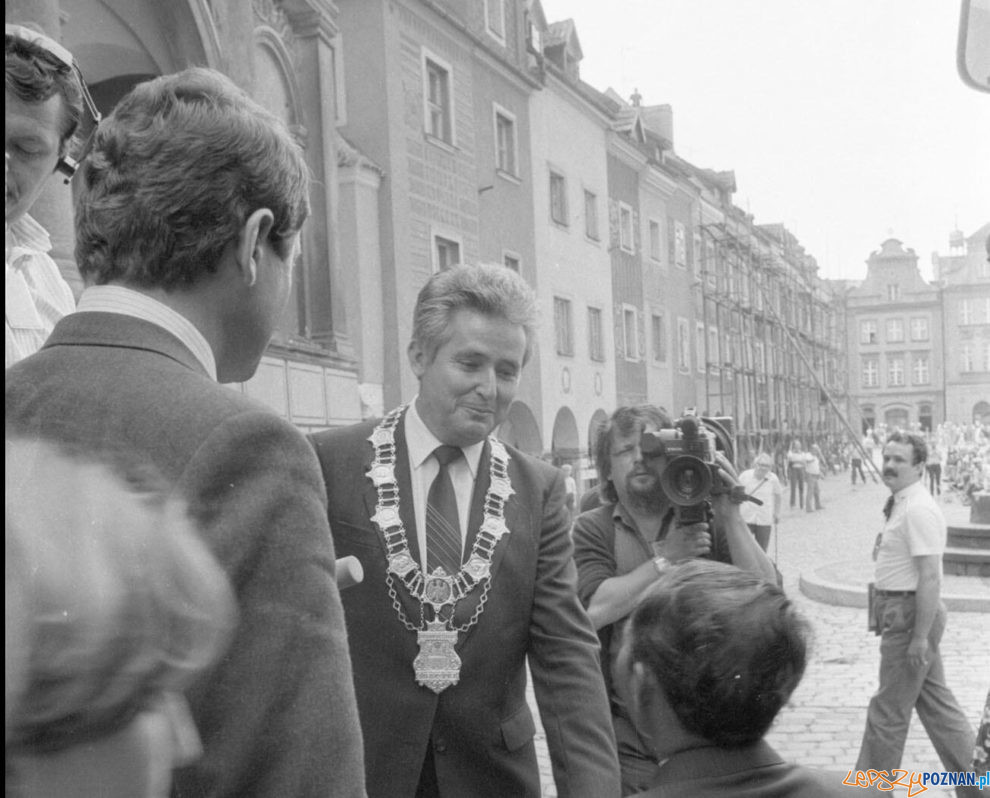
(314, 26)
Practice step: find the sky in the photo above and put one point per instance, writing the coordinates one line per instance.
(845, 120)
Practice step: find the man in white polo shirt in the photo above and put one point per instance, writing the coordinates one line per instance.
(910, 617)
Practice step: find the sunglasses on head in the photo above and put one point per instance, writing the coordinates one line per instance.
(81, 141)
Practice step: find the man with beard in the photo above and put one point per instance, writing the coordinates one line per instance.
(623, 546)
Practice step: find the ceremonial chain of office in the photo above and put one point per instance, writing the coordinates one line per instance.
(438, 589)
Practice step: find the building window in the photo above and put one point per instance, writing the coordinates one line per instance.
(699, 346)
(966, 315)
(966, 358)
(986, 357)
(680, 245)
(626, 228)
(495, 19)
(893, 292)
(921, 371)
(591, 215)
(505, 142)
(562, 326)
(761, 363)
(895, 372)
(868, 331)
(696, 255)
(654, 240)
(436, 91)
(712, 356)
(558, 197)
(511, 260)
(895, 331)
(596, 345)
(871, 372)
(683, 345)
(446, 253)
(919, 329)
(630, 334)
(659, 338)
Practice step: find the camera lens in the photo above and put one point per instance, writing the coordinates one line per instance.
(686, 480)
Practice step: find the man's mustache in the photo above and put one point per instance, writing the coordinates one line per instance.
(889, 473)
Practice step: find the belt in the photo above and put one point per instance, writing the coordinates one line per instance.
(894, 593)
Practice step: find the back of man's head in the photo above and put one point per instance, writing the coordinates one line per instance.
(175, 172)
(726, 647)
(37, 68)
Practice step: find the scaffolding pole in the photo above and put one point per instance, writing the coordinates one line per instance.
(874, 470)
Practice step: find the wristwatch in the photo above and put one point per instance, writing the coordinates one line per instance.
(661, 563)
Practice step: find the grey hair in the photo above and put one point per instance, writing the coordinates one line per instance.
(488, 288)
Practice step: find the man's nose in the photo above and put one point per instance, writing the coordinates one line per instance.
(487, 380)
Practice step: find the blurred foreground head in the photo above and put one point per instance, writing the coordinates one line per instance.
(113, 606)
(710, 656)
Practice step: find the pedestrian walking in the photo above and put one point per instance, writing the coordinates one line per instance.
(855, 463)
(796, 459)
(909, 616)
(761, 483)
(813, 475)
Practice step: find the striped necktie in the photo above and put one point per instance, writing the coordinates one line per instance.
(443, 529)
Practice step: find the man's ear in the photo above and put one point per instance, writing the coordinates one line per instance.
(418, 360)
(252, 235)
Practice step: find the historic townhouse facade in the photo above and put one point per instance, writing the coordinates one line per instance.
(446, 131)
(964, 278)
(895, 343)
(285, 54)
(569, 127)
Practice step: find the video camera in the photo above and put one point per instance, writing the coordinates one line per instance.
(691, 474)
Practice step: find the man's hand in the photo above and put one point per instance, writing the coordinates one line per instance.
(687, 542)
(917, 653)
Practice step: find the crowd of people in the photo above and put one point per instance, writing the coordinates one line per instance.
(174, 621)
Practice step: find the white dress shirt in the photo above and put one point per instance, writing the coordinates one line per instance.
(35, 294)
(423, 468)
(126, 302)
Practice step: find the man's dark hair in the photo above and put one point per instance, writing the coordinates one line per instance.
(33, 75)
(624, 421)
(175, 172)
(919, 447)
(726, 647)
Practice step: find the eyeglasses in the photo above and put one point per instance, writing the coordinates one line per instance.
(79, 145)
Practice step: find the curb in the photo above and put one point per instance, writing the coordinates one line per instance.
(820, 588)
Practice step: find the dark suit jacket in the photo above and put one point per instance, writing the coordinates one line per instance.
(481, 729)
(277, 715)
(751, 771)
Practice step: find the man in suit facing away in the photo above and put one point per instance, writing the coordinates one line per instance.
(465, 583)
(187, 226)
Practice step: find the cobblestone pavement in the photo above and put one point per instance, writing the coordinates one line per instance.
(823, 724)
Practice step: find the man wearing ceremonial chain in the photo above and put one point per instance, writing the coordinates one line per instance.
(468, 569)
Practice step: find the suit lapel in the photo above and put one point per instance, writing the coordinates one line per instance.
(466, 608)
(407, 511)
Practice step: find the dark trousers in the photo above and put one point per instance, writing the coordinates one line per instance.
(857, 466)
(762, 534)
(934, 478)
(903, 689)
(796, 477)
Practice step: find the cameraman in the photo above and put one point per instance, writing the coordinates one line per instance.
(623, 546)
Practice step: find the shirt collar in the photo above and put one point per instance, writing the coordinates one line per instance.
(26, 233)
(127, 302)
(911, 490)
(421, 442)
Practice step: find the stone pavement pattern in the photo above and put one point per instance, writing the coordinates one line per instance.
(823, 724)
